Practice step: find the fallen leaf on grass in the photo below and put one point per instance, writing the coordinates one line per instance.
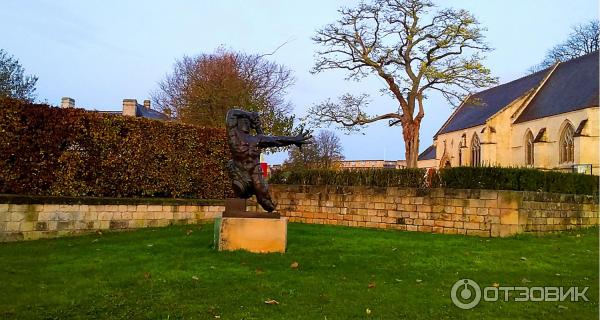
(213, 311)
(368, 311)
(294, 265)
(372, 285)
(195, 278)
(147, 275)
(271, 301)
(523, 258)
(495, 285)
(259, 271)
(419, 280)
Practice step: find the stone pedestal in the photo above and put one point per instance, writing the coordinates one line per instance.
(258, 235)
(258, 232)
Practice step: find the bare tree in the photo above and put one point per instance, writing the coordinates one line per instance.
(322, 153)
(306, 157)
(412, 49)
(330, 149)
(582, 40)
(13, 82)
(201, 89)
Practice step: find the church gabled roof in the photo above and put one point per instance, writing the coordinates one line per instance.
(481, 106)
(572, 86)
(427, 154)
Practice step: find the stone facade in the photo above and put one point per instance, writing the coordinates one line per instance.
(472, 212)
(526, 122)
(505, 145)
(34, 221)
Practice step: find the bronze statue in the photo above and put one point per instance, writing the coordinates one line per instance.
(244, 169)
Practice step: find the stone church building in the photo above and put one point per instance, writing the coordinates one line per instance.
(547, 120)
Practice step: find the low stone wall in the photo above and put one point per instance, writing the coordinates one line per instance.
(473, 212)
(29, 218)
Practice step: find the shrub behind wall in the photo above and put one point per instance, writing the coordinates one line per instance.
(73, 152)
(520, 179)
(410, 178)
(494, 178)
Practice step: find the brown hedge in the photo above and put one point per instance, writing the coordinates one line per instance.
(72, 152)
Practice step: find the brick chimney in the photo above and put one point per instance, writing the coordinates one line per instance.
(130, 107)
(147, 104)
(67, 102)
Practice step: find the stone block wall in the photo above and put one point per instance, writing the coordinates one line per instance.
(472, 212)
(46, 217)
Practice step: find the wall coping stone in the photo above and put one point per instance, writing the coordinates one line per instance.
(541, 196)
(29, 199)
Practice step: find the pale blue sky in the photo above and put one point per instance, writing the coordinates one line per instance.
(100, 52)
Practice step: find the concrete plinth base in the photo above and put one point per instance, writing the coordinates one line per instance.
(258, 235)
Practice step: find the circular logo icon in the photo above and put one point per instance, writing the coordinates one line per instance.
(465, 294)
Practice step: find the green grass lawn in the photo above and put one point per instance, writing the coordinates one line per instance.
(343, 273)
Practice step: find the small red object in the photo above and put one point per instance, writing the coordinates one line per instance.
(265, 169)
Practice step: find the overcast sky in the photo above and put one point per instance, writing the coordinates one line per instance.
(100, 52)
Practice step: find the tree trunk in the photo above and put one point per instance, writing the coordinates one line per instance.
(410, 132)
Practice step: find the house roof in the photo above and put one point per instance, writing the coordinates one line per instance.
(572, 86)
(428, 154)
(144, 112)
(482, 105)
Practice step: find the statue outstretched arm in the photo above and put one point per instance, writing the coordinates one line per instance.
(282, 141)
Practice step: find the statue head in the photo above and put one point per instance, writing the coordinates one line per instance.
(244, 125)
(246, 121)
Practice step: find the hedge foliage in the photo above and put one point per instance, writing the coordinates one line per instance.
(72, 152)
(411, 178)
(493, 178)
(520, 179)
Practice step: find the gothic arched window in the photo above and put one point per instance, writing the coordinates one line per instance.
(529, 148)
(461, 145)
(475, 151)
(566, 145)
